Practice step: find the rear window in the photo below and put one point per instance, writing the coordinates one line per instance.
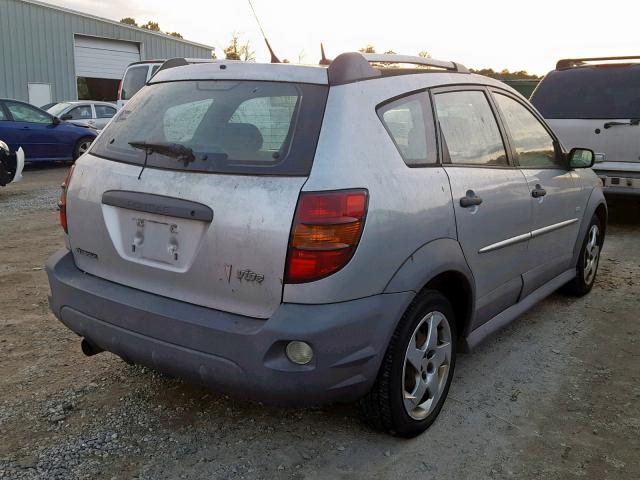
(590, 93)
(133, 81)
(251, 127)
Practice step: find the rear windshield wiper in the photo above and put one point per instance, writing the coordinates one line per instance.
(175, 150)
(633, 121)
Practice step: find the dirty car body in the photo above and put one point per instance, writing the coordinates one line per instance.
(317, 210)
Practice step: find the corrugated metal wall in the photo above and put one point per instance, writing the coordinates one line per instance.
(36, 45)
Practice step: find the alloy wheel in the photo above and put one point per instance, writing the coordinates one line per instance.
(426, 365)
(591, 254)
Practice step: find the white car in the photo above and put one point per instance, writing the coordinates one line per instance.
(86, 113)
(595, 103)
(11, 165)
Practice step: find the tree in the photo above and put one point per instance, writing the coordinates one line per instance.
(237, 51)
(424, 54)
(129, 21)
(213, 54)
(390, 52)
(505, 74)
(368, 49)
(153, 26)
(175, 34)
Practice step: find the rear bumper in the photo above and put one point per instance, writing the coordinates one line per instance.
(620, 182)
(231, 353)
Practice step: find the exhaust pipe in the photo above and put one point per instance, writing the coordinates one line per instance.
(89, 349)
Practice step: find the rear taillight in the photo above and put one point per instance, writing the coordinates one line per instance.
(326, 231)
(62, 203)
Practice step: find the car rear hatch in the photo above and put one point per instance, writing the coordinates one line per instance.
(595, 107)
(190, 192)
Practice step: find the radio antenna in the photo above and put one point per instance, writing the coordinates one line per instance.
(274, 58)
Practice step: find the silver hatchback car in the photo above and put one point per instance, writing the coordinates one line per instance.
(303, 235)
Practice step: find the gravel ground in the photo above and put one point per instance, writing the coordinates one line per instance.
(555, 395)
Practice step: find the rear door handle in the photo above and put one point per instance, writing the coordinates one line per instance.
(470, 200)
(538, 192)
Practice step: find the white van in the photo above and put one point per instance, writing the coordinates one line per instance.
(138, 74)
(595, 103)
(135, 77)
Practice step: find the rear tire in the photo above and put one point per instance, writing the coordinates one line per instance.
(81, 147)
(416, 371)
(588, 260)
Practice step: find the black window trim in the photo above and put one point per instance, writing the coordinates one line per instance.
(559, 152)
(466, 87)
(429, 122)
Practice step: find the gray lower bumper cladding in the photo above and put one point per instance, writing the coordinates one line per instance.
(231, 353)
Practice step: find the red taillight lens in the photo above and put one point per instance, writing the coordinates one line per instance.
(62, 203)
(326, 231)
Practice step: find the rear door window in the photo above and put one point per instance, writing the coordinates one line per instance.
(133, 81)
(590, 93)
(470, 131)
(411, 128)
(534, 146)
(104, 111)
(231, 126)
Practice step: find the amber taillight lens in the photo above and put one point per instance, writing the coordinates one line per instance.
(62, 203)
(326, 231)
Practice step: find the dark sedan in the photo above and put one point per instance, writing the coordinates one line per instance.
(42, 136)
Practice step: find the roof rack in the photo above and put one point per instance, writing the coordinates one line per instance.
(354, 66)
(566, 63)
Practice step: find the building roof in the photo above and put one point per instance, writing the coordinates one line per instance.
(113, 22)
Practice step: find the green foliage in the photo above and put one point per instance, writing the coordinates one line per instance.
(129, 21)
(175, 34)
(424, 54)
(153, 26)
(237, 51)
(368, 49)
(505, 74)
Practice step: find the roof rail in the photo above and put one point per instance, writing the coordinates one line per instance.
(566, 63)
(409, 59)
(354, 66)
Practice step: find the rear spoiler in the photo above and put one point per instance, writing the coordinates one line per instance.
(181, 62)
(567, 63)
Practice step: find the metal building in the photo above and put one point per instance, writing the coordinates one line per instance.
(50, 54)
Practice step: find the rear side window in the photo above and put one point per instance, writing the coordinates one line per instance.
(133, 81)
(469, 128)
(231, 126)
(2, 114)
(104, 111)
(611, 92)
(534, 146)
(410, 124)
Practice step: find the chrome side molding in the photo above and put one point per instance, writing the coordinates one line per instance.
(526, 236)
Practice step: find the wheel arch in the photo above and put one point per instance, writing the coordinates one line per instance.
(440, 265)
(596, 205)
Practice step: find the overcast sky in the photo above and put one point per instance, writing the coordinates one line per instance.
(519, 35)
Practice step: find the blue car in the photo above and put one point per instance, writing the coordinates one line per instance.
(42, 136)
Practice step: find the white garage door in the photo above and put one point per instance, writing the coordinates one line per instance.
(104, 58)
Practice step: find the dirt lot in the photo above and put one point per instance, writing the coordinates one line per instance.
(555, 395)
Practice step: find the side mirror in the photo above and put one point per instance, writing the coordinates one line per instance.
(66, 116)
(581, 158)
(55, 121)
